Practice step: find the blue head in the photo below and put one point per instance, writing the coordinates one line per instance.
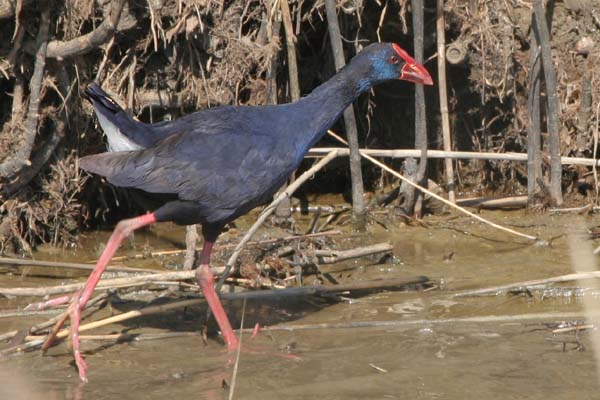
(381, 62)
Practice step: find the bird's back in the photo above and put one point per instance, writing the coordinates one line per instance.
(227, 161)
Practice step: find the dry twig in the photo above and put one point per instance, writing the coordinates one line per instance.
(463, 155)
(441, 61)
(90, 41)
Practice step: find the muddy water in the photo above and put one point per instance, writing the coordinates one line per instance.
(434, 350)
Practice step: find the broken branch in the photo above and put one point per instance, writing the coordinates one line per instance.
(90, 41)
(21, 156)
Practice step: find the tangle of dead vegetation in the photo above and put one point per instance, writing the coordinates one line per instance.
(164, 58)
(497, 36)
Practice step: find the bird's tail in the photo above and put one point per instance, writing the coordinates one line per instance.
(120, 128)
(101, 100)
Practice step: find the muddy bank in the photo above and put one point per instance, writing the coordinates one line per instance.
(433, 345)
(164, 59)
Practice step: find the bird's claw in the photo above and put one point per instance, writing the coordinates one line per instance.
(73, 313)
(81, 366)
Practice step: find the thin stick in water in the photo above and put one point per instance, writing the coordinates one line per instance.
(237, 356)
(525, 284)
(553, 316)
(67, 265)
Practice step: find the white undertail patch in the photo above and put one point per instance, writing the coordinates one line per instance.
(116, 140)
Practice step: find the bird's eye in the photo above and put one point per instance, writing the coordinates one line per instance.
(394, 60)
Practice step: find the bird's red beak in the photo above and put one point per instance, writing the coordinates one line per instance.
(412, 71)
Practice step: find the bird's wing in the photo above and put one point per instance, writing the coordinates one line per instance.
(225, 119)
(221, 171)
(124, 133)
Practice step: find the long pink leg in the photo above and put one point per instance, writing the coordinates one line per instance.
(81, 298)
(206, 279)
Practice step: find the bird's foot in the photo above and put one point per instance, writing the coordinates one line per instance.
(79, 300)
(81, 366)
(59, 324)
(73, 313)
(43, 305)
(75, 316)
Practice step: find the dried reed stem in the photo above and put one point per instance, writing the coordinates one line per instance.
(540, 28)
(356, 179)
(191, 238)
(534, 160)
(237, 355)
(290, 40)
(441, 60)
(465, 155)
(414, 199)
(68, 265)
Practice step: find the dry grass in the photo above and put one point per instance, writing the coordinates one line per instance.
(204, 53)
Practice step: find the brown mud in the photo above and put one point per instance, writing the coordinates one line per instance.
(164, 59)
(439, 346)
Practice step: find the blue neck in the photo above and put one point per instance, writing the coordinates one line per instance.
(317, 112)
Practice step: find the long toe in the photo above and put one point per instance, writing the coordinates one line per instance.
(81, 366)
(42, 305)
(75, 316)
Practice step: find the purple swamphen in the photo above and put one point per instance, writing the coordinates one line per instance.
(218, 164)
